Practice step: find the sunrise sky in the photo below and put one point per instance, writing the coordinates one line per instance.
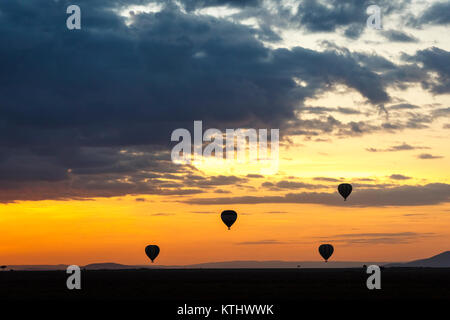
(86, 118)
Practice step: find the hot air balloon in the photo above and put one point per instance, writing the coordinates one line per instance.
(152, 251)
(326, 250)
(228, 217)
(345, 189)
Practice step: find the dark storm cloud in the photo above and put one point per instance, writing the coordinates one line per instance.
(434, 60)
(309, 15)
(354, 30)
(332, 126)
(90, 176)
(71, 100)
(325, 110)
(324, 123)
(397, 76)
(212, 181)
(344, 69)
(419, 68)
(398, 36)
(86, 188)
(438, 14)
(150, 74)
(320, 16)
(374, 62)
(430, 194)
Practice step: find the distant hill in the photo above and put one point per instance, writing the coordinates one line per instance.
(209, 265)
(441, 260)
(37, 267)
(283, 264)
(108, 266)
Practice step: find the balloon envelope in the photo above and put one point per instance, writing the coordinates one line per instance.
(228, 217)
(345, 189)
(326, 250)
(152, 252)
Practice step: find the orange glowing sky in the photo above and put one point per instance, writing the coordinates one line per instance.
(413, 154)
(117, 229)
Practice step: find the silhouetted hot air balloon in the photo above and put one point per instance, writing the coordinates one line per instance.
(326, 250)
(152, 252)
(345, 189)
(228, 217)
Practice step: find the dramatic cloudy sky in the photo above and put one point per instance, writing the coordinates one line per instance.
(86, 118)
